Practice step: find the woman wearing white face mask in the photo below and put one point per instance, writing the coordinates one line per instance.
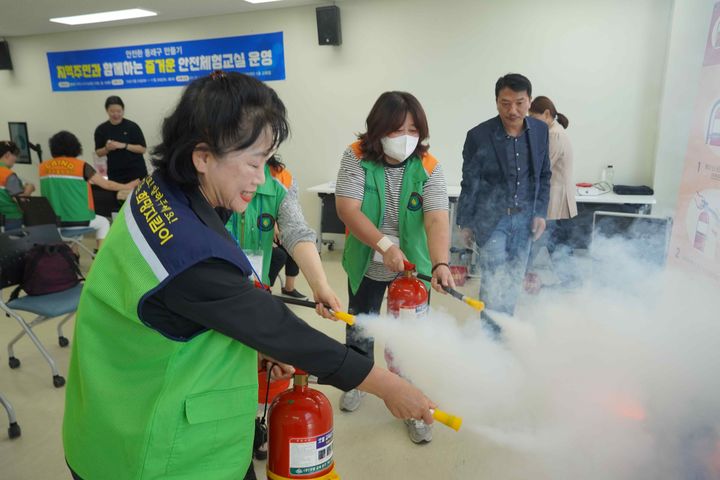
(391, 195)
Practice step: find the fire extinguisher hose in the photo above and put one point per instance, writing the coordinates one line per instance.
(473, 302)
(344, 316)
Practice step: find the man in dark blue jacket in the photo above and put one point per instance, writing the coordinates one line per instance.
(505, 190)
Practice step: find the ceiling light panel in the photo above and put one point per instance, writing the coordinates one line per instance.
(104, 17)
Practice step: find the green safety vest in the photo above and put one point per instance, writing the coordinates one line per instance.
(8, 206)
(63, 182)
(254, 229)
(140, 405)
(413, 238)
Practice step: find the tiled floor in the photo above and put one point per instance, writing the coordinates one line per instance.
(369, 443)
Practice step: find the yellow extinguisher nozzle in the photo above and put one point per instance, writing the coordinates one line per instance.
(345, 317)
(476, 304)
(446, 419)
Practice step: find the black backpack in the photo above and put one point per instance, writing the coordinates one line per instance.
(49, 269)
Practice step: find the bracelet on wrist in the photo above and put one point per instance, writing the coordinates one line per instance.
(438, 265)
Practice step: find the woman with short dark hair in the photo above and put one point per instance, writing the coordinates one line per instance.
(392, 197)
(170, 328)
(122, 142)
(65, 180)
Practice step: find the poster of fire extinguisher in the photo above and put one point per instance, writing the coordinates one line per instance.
(702, 225)
(695, 241)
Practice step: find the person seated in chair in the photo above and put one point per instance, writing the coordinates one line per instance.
(11, 186)
(65, 181)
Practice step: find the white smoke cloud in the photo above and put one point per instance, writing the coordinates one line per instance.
(616, 380)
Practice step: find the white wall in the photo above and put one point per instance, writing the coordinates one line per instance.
(601, 62)
(690, 25)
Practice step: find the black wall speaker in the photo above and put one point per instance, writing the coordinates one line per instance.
(328, 25)
(5, 61)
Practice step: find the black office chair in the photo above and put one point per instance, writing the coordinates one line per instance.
(14, 429)
(13, 247)
(38, 211)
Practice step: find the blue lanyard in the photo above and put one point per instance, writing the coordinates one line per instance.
(258, 227)
(260, 217)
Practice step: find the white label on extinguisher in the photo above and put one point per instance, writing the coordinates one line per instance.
(413, 312)
(310, 454)
(702, 226)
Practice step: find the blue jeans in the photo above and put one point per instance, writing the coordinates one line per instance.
(12, 224)
(503, 260)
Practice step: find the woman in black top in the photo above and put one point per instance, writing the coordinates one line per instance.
(122, 141)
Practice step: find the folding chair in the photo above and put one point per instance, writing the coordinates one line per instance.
(13, 246)
(38, 211)
(14, 429)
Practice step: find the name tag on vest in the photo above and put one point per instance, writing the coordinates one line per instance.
(256, 261)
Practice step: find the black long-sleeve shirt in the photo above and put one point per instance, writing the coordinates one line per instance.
(214, 295)
(123, 165)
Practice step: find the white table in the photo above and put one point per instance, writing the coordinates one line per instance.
(328, 188)
(614, 198)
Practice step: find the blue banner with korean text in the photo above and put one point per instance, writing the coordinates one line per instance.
(167, 64)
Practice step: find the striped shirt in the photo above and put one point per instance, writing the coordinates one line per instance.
(291, 221)
(351, 184)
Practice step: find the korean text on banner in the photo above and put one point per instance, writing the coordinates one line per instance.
(167, 64)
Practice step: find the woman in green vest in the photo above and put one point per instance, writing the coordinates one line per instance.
(274, 216)
(391, 195)
(169, 331)
(11, 186)
(65, 180)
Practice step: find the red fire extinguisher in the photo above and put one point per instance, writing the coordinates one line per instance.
(701, 230)
(407, 296)
(301, 434)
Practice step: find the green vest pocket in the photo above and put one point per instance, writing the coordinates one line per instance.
(215, 435)
(218, 405)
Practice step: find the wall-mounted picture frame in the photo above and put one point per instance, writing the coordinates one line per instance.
(19, 136)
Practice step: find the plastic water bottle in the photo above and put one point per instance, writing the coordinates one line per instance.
(608, 175)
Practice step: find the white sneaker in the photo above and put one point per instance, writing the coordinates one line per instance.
(419, 431)
(350, 401)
